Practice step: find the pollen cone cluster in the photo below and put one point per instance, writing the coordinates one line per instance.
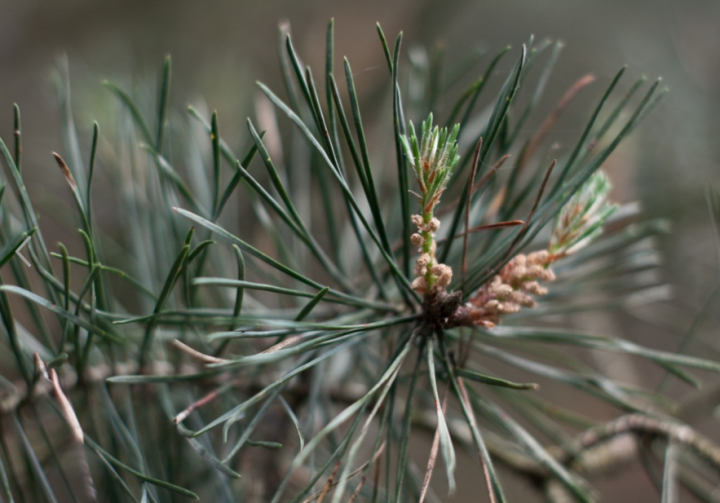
(511, 289)
(428, 273)
(518, 283)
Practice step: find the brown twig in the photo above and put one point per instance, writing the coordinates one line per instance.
(11, 402)
(594, 451)
(638, 423)
(321, 495)
(357, 489)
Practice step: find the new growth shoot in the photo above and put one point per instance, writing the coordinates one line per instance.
(433, 159)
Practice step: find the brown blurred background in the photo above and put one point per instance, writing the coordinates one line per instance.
(220, 48)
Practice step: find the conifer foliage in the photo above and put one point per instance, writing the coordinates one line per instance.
(266, 324)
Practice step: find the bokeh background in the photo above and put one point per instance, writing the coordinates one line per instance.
(220, 48)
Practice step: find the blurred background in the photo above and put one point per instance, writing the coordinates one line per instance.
(220, 48)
